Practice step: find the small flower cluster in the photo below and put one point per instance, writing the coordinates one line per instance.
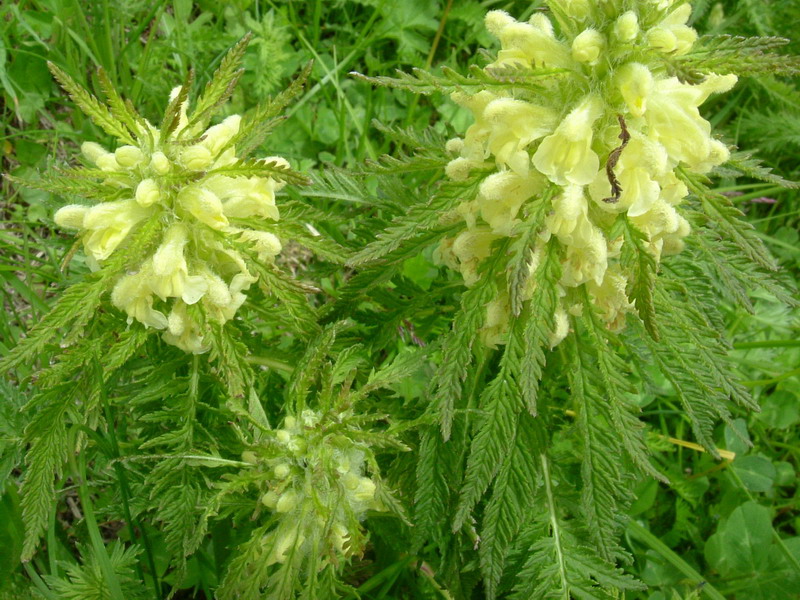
(316, 486)
(601, 134)
(173, 180)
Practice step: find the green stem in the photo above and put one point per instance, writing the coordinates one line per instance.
(551, 505)
(272, 363)
(98, 545)
(783, 548)
(125, 489)
(645, 536)
(767, 344)
(40, 585)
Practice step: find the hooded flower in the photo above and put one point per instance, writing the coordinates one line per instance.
(200, 259)
(596, 141)
(566, 156)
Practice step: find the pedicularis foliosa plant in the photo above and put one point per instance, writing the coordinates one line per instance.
(479, 424)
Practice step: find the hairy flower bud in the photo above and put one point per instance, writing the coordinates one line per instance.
(92, 151)
(196, 158)
(71, 216)
(147, 192)
(588, 46)
(128, 156)
(626, 27)
(160, 163)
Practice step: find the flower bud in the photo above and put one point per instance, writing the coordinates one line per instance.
(282, 471)
(497, 20)
(266, 244)
(626, 28)
(662, 39)
(286, 502)
(635, 84)
(270, 499)
(169, 255)
(92, 151)
(454, 145)
(458, 169)
(364, 490)
(561, 327)
(578, 9)
(218, 136)
(147, 192)
(128, 156)
(176, 325)
(542, 24)
(588, 46)
(160, 163)
(196, 158)
(71, 216)
(107, 162)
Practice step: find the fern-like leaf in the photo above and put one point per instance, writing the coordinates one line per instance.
(745, 164)
(637, 260)
(257, 124)
(290, 293)
(47, 436)
(513, 497)
(419, 217)
(248, 167)
(91, 106)
(726, 221)
(221, 85)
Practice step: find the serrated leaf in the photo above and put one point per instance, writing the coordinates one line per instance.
(256, 124)
(91, 106)
(252, 167)
(221, 85)
(290, 293)
(637, 260)
(418, 218)
(172, 116)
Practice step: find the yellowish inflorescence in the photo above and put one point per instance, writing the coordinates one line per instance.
(317, 488)
(602, 137)
(172, 180)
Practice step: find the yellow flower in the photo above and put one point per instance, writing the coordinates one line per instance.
(245, 197)
(128, 156)
(674, 120)
(204, 206)
(471, 247)
(514, 124)
(501, 196)
(171, 277)
(133, 295)
(533, 42)
(147, 192)
(610, 298)
(218, 136)
(586, 258)
(636, 84)
(566, 156)
(108, 224)
(626, 27)
(640, 166)
(588, 46)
